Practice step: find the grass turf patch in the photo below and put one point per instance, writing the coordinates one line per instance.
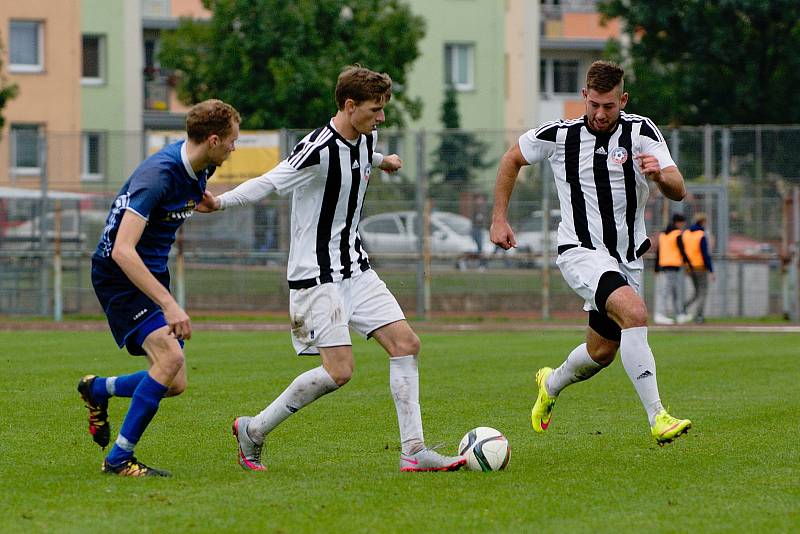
(334, 465)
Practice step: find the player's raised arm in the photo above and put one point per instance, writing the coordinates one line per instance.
(391, 163)
(510, 164)
(669, 180)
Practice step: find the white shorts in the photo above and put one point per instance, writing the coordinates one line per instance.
(583, 267)
(320, 315)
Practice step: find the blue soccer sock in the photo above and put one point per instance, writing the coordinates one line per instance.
(125, 385)
(116, 386)
(100, 392)
(144, 405)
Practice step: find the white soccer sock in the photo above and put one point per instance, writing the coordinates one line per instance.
(404, 383)
(637, 358)
(305, 389)
(111, 383)
(577, 367)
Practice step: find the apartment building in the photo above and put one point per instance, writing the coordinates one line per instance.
(42, 56)
(111, 91)
(572, 35)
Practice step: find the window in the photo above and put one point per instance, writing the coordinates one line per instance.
(25, 47)
(382, 225)
(459, 66)
(93, 60)
(565, 76)
(558, 76)
(24, 149)
(93, 155)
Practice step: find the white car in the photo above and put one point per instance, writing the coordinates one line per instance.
(397, 232)
(78, 229)
(529, 235)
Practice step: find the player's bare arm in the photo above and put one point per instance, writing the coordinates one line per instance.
(500, 232)
(391, 163)
(669, 180)
(125, 255)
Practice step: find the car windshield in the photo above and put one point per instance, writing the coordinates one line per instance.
(457, 223)
(533, 223)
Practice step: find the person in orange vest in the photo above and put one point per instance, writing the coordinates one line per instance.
(670, 259)
(695, 242)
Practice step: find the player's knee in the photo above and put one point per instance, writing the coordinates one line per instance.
(408, 345)
(635, 315)
(604, 355)
(172, 361)
(341, 373)
(176, 388)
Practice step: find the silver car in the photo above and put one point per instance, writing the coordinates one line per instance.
(396, 232)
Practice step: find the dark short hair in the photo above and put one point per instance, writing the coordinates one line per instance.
(361, 84)
(604, 76)
(210, 117)
(678, 217)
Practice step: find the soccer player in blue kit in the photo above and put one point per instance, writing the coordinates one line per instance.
(131, 279)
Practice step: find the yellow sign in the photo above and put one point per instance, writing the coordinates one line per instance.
(256, 153)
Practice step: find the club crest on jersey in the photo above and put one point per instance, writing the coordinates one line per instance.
(619, 155)
(367, 170)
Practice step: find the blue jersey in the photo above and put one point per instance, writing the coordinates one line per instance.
(163, 191)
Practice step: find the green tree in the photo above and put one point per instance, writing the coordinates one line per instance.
(277, 62)
(460, 154)
(7, 92)
(721, 62)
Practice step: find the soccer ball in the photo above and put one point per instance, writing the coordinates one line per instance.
(486, 449)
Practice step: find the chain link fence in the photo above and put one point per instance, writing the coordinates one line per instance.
(425, 227)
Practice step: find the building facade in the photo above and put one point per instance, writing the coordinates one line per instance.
(572, 35)
(42, 56)
(111, 91)
(464, 46)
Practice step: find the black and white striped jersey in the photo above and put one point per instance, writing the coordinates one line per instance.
(601, 190)
(328, 176)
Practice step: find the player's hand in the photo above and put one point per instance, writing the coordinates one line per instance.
(180, 326)
(209, 204)
(649, 166)
(502, 235)
(391, 163)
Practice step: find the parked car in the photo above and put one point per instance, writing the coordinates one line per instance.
(397, 231)
(79, 229)
(529, 235)
(740, 246)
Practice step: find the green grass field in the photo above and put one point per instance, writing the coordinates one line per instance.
(333, 467)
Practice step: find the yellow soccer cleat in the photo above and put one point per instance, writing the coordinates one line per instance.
(133, 468)
(667, 428)
(542, 410)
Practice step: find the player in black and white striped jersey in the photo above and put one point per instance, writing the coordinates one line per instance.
(602, 163)
(332, 286)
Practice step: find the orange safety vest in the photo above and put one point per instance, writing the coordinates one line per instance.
(669, 255)
(691, 244)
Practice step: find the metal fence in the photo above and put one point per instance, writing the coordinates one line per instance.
(744, 178)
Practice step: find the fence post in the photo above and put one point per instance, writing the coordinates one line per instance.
(723, 217)
(546, 245)
(708, 152)
(423, 255)
(58, 297)
(44, 279)
(795, 267)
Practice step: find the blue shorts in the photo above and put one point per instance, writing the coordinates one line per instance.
(131, 314)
